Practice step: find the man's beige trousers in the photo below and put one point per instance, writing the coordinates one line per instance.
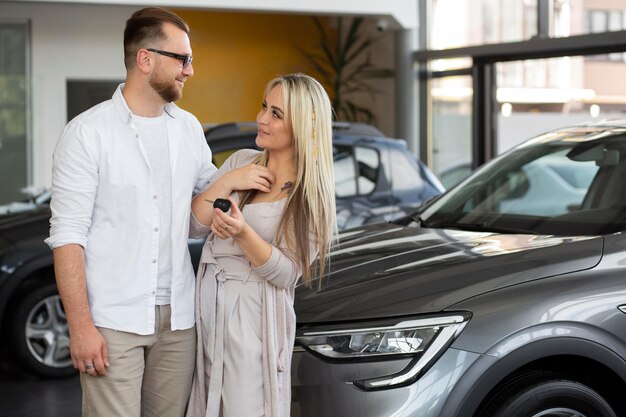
(148, 376)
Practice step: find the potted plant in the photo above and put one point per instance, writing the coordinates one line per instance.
(342, 61)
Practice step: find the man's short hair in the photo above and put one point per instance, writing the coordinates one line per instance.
(145, 28)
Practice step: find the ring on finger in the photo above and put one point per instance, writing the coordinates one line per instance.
(89, 366)
(226, 228)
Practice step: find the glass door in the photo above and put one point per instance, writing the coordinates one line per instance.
(451, 151)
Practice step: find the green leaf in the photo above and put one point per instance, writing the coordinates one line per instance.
(342, 61)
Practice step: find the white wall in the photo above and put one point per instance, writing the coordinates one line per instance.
(67, 42)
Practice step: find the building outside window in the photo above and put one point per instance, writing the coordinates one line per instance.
(531, 95)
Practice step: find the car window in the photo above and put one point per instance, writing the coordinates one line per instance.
(368, 163)
(345, 172)
(548, 184)
(356, 170)
(549, 187)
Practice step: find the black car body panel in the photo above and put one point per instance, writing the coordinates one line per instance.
(22, 253)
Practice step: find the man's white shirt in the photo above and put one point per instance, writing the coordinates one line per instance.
(104, 198)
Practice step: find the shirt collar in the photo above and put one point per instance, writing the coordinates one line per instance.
(171, 109)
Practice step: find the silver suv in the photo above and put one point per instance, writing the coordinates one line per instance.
(504, 297)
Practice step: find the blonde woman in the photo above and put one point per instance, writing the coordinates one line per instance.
(278, 230)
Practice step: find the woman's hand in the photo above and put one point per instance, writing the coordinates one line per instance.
(250, 177)
(227, 225)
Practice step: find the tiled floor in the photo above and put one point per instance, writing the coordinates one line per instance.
(22, 395)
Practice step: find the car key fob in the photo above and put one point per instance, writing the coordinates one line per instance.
(222, 204)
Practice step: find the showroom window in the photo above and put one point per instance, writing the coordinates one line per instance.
(451, 128)
(598, 21)
(14, 144)
(511, 71)
(479, 22)
(537, 95)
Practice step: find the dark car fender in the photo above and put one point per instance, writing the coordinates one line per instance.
(19, 279)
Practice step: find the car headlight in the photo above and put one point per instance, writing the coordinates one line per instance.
(423, 339)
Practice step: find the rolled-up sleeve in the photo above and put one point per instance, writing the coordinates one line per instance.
(207, 172)
(197, 230)
(281, 270)
(74, 185)
(207, 169)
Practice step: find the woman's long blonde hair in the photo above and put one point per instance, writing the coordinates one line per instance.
(311, 202)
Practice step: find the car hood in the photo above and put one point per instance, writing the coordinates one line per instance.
(388, 270)
(25, 224)
(16, 207)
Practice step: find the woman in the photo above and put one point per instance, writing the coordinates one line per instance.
(282, 217)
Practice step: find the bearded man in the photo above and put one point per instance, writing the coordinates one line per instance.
(123, 176)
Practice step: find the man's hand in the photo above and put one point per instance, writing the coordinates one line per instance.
(87, 346)
(89, 352)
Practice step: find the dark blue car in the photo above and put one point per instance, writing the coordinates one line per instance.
(377, 180)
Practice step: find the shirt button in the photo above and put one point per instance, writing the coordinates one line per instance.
(156, 229)
(154, 261)
(154, 197)
(152, 292)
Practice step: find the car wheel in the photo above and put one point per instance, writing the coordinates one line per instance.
(542, 394)
(39, 335)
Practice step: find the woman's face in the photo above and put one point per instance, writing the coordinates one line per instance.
(274, 132)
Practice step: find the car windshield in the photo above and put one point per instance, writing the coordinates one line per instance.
(564, 183)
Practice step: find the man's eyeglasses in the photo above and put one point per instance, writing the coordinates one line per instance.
(184, 59)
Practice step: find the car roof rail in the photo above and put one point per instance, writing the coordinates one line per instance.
(224, 130)
(357, 128)
(230, 129)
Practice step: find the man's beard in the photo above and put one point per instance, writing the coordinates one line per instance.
(167, 90)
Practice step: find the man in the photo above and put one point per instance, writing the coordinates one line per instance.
(124, 173)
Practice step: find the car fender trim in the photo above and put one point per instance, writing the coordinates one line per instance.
(488, 371)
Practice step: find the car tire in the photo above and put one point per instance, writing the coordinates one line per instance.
(39, 334)
(544, 394)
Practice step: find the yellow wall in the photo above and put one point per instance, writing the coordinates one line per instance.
(235, 55)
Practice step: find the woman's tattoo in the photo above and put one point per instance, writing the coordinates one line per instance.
(287, 187)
